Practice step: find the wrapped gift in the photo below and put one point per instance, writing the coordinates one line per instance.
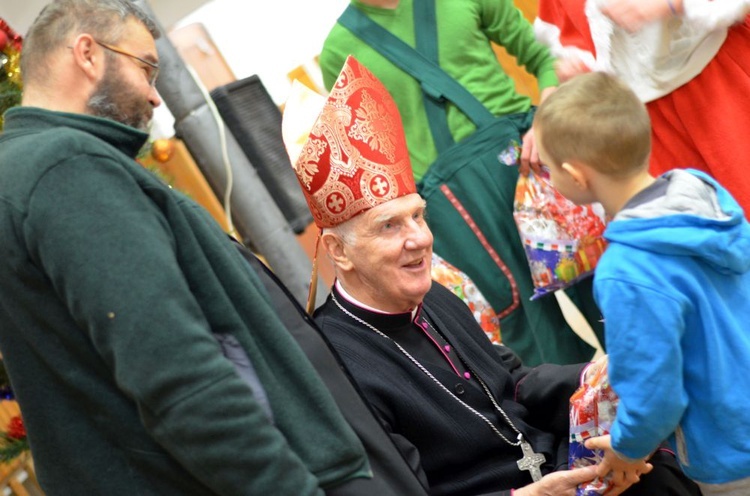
(563, 241)
(592, 410)
(462, 286)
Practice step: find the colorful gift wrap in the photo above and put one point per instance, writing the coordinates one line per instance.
(592, 411)
(462, 286)
(563, 241)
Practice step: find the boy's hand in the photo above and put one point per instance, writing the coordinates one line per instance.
(624, 473)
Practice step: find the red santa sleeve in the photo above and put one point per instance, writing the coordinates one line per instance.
(563, 26)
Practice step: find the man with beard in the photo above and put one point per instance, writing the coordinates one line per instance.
(144, 351)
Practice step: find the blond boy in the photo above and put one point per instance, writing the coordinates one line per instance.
(673, 287)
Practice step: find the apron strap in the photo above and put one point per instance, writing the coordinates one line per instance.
(425, 35)
(436, 84)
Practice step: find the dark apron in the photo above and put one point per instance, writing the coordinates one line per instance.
(469, 194)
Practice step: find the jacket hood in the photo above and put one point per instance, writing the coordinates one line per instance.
(695, 218)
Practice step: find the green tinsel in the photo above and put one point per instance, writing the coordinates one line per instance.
(10, 96)
(10, 448)
(10, 76)
(10, 92)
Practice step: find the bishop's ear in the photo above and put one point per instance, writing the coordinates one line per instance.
(335, 248)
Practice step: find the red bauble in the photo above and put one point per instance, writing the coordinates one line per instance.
(3, 40)
(16, 429)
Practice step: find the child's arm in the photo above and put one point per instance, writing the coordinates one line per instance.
(624, 471)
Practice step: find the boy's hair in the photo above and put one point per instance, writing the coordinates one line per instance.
(61, 20)
(597, 120)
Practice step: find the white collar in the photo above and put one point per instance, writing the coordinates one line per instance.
(354, 301)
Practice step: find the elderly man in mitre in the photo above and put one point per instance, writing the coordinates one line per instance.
(466, 414)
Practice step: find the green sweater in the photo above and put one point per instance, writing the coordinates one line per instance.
(465, 30)
(112, 284)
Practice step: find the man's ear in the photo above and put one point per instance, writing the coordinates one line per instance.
(579, 174)
(86, 57)
(336, 250)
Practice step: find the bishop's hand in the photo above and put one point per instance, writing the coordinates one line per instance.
(561, 483)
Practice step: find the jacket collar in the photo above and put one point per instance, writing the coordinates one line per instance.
(33, 119)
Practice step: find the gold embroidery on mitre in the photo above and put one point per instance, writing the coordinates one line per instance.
(307, 163)
(379, 183)
(375, 126)
(333, 128)
(336, 201)
(355, 157)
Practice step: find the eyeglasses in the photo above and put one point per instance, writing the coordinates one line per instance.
(151, 69)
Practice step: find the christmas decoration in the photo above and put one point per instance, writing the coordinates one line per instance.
(6, 392)
(162, 150)
(13, 442)
(11, 37)
(10, 71)
(152, 156)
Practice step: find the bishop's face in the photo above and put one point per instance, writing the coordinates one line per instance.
(391, 255)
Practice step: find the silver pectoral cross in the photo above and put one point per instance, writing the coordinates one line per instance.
(530, 461)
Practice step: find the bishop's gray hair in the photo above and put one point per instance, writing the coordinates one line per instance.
(344, 231)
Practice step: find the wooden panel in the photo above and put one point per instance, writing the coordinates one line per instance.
(16, 476)
(182, 173)
(308, 240)
(528, 7)
(199, 51)
(525, 82)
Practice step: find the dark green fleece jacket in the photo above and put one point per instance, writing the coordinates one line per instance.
(111, 285)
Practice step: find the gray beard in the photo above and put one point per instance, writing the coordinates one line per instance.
(113, 100)
(103, 106)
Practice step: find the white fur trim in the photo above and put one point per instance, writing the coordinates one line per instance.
(717, 14)
(549, 34)
(601, 28)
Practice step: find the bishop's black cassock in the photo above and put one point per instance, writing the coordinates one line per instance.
(451, 448)
(456, 449)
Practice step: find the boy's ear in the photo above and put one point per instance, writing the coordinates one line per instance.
(578, 172)
(335, 249)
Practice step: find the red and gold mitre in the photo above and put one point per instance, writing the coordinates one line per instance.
(353, 155)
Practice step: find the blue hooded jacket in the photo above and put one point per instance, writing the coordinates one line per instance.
(674, 289)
